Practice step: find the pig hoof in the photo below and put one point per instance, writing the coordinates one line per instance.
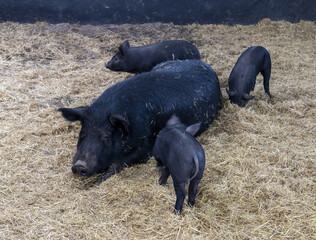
(177, 212)
(160, 182)
(191, 203)
(98, 182)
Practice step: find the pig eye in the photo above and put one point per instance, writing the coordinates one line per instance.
(105, 138)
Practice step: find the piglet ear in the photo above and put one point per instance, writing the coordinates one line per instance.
(173, 120)
(248, 97)
(118, 121)
(230, 93)
(124, 47)
(193, 129)
(73, 114)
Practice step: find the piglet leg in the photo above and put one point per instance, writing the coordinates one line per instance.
(266, 77)
(181, 193)
(164, 174)
(193, 189)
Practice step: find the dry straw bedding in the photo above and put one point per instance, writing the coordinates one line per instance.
(259, 180)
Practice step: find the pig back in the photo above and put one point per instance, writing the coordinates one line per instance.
(188, 88)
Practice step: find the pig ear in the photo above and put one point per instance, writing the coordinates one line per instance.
(73, 114)
(124, 47)
(248, 97)
(193, 129)
(173, 120)
(119, 122)
(230, 93)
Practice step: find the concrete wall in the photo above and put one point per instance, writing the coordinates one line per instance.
(143, 11)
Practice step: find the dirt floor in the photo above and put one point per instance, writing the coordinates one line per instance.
(260, 175)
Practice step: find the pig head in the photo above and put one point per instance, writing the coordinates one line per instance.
(98, 140)
(120, 61)
(239, 98)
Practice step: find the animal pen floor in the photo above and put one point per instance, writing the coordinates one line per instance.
(259, 180)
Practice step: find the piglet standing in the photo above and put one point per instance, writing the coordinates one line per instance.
(242, 79)
(144, 58)
(180, 155)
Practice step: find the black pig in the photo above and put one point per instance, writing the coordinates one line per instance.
(119, 128)
(242, 79)
(144, 58)
(180, 155)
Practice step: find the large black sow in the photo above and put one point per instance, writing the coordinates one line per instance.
(120, 127)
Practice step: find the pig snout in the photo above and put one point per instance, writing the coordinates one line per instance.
(108, 65)
(80, 168)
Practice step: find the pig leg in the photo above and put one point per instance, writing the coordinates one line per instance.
(181, 193)
(114, 168)
(193, 189)
(164, 174)
(266, 77)
(118, 165)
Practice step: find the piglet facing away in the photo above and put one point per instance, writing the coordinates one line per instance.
(144, 58)
(242, 79)
(180, 155)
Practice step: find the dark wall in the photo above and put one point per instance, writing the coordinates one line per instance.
(143, 11)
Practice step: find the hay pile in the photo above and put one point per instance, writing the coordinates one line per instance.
(259, 180)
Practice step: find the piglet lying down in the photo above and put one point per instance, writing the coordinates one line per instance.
(144, 58)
